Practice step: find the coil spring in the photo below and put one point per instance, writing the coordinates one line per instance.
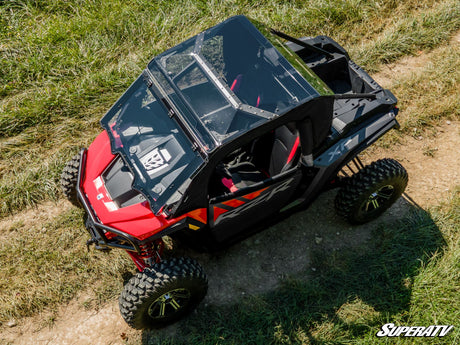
(151, 251)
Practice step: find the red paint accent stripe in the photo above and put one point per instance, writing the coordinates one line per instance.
(258, 101)
(233, 203)
(293, 150)
(254, 195)
(218, 211)
(200, 214)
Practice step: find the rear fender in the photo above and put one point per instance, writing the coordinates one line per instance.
(356, 142)
(334, 158)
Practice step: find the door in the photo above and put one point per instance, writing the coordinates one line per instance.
(233, 214)
(257, 182)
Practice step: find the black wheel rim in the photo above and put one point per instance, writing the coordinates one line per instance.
(169, 303)
(377, 200)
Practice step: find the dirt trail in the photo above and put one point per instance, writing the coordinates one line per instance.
(434, 168)
(407, 65)
(74, 325)
(433, 163)
(42, 213)
(254, 266)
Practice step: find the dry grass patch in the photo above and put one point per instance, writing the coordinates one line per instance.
(46, 263)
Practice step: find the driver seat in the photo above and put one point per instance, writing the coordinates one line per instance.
(284, 154)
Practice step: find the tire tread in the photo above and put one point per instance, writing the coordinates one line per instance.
(140, 287)
(69, 179)
(349, 195)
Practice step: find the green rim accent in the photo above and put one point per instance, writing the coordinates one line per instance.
(169, 303)
(377, 199)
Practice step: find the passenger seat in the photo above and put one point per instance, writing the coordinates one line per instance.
(285, 149)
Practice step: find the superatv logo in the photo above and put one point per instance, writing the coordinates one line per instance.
(390, 330)
(156, 160)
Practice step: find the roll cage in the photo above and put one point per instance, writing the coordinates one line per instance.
(208, 92)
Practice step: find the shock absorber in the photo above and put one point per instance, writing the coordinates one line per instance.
(151, 251)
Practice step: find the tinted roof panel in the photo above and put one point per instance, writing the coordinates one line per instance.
(231, 78)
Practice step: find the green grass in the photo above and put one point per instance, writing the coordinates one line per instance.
(409, 34)
(428, 97)
(64, 63)
(407, 274)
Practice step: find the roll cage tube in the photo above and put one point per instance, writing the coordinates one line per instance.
(173, 112)
(94, 227)
(305, 129)
(310, 47)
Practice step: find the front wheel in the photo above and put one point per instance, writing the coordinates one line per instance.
(371, 191)
(69, 179)
(163, 293)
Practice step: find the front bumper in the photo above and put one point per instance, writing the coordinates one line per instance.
(98, 231)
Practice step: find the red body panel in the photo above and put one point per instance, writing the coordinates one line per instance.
(234, 203)
(136, 220)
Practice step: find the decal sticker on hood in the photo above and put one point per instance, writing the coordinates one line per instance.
(156, 160)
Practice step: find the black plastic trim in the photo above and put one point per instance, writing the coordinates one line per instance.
(355, 96)
(310, 47)
(95, 228)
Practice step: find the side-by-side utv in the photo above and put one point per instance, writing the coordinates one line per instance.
(220, 136)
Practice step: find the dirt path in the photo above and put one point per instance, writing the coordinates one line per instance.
(407, 65)
(74, 325)
(42, 213)
(433, 165)
(254, 266)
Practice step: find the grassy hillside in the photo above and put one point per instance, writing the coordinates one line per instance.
(65, 62)
(62, 65)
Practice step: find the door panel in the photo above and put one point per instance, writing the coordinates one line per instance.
(230, 216)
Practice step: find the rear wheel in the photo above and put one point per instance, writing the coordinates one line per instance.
(371, 191)
(163, 293)
(69, 179)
